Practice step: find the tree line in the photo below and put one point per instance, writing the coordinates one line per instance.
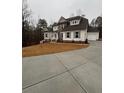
(31, 34)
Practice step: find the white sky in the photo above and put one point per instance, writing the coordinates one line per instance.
(52, 10)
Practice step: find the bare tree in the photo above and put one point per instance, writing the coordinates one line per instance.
(26, 12)
(98, 22)
(25, 23)
(93, 23)
(79, 12)
(72, 15)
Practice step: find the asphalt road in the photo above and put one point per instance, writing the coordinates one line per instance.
(78, 71)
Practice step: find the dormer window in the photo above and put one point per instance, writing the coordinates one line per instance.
(74, 22)
(55, 28)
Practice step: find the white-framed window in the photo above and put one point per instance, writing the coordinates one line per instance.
(55, 28)
(77, 35)
(74, 22)
(46, 35)
(68, 35)
(55, 35)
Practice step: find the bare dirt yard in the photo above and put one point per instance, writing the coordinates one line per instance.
(49, 48)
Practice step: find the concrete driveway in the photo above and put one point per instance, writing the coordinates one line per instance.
(78, 71)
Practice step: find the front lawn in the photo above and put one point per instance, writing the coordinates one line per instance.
(49, 48)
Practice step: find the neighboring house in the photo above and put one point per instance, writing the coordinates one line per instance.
(93, 33)
(73, 29)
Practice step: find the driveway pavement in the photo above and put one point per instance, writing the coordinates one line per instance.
(78, 71)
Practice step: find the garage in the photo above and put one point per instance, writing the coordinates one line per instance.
(93, 33)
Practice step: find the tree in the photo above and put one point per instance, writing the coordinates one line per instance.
(72, 15)
(41, 25)
(79, 12)
(93, 23)
(98, 22)
(25, 22)
(29, 35)
(50, 27)
(26, 12)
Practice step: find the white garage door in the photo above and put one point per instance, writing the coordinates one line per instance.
(93, 36)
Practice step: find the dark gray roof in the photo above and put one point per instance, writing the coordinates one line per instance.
(55, 24)
(83, 25)
(92, 29)
(74, 18)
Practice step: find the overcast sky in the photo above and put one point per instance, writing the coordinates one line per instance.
(52, 10)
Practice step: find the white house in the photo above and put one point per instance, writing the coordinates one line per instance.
(73, 29)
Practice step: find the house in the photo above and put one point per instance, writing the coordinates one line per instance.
(73, 29)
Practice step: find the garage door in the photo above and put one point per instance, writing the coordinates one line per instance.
(93, 36)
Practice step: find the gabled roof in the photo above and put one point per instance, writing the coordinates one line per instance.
(83, 25)
(62, 19)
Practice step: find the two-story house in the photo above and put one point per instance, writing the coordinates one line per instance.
(73, 29)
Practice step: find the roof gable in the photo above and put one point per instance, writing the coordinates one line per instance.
(62, 19)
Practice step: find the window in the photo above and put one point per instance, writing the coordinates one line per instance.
(46, 35)
(62, 35)
(68, 35)
(55, 28)
(74, 22)
(55, 35)
(77, 35)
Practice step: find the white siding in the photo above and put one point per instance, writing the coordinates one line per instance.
(82, 37)
(93, 35)
(55, 28)
(48, 35)
(51, 35)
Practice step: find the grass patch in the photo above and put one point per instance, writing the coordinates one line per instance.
(49, 48)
